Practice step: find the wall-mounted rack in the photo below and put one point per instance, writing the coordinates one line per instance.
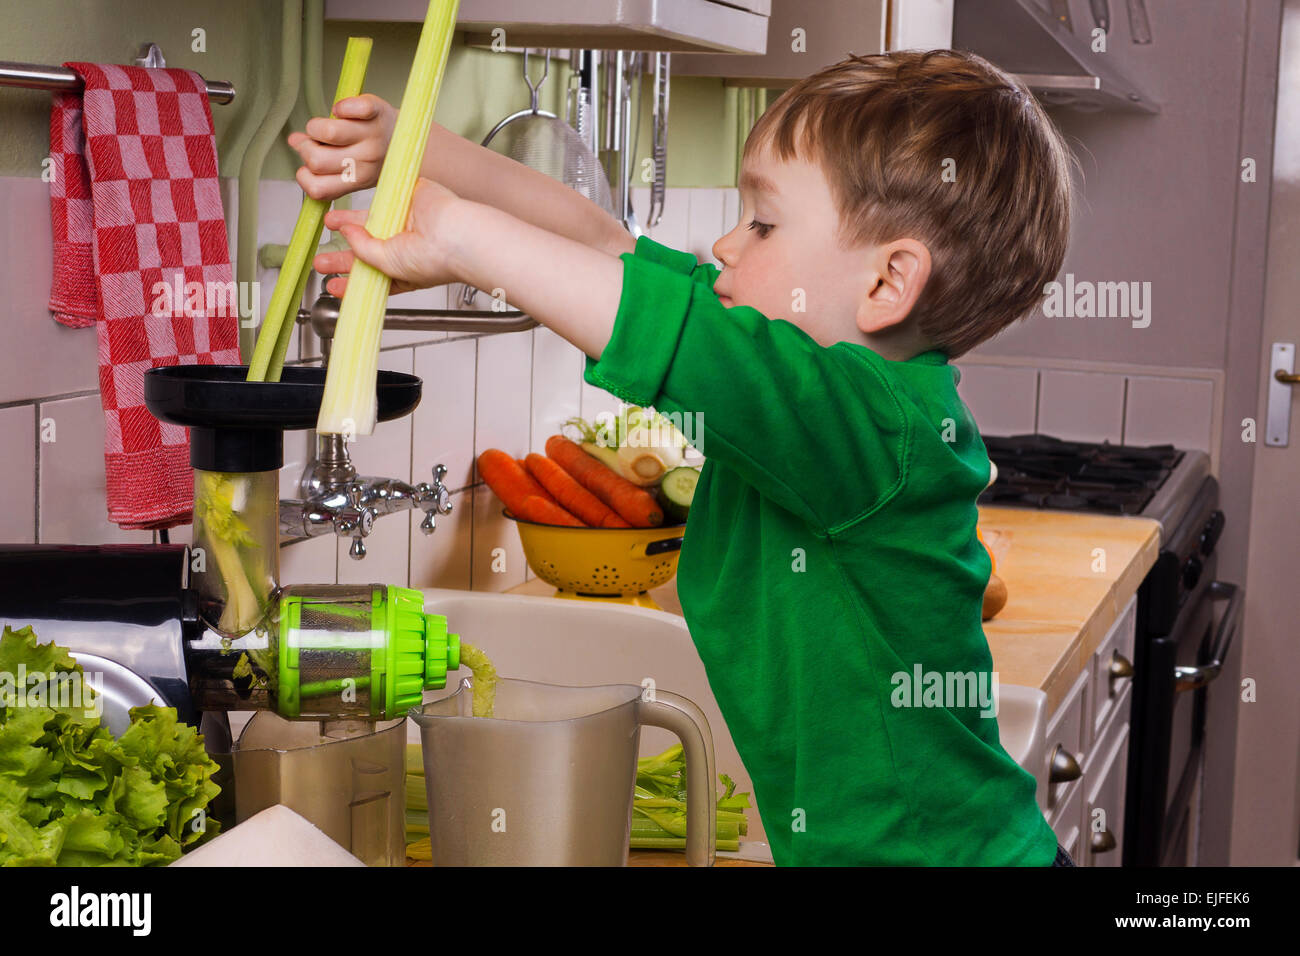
(60, 79)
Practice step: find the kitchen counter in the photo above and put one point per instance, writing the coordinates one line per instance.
(1063, 594)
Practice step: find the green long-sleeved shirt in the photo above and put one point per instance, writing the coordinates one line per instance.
(829, 569)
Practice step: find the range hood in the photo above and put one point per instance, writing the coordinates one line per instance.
(1059, 67)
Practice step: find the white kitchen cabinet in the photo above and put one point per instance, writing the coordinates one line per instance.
(1065, 736)
(1105, 775)
(1091, 725)
(737, 27)
(804, 37)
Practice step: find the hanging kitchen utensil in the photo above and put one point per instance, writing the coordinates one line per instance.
(659, 149)
(1101, 13)
(1139, 27)
(540, 140)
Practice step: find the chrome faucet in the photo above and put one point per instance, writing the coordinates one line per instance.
(336, 499)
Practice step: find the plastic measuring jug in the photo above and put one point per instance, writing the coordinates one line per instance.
(549, 779)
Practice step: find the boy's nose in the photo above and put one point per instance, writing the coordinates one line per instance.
(724, 249)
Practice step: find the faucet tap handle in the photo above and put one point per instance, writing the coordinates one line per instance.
(440, 490)
(436, 493)
(356, 520)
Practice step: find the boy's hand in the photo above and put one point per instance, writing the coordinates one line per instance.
(359, 131)
(417, 258)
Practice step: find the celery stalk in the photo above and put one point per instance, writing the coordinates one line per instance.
(277, 327)
(348, 406)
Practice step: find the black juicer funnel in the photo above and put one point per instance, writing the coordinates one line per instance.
(238, 426)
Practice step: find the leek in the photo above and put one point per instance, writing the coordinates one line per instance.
(277, 328)
(348, 406)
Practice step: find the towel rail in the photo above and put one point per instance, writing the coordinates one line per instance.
(61, 79)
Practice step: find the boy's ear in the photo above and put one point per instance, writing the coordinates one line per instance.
(896, 273)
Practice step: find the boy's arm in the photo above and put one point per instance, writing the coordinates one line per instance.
(563, 283)
(771, 401)
(485, 176)
(819, 431)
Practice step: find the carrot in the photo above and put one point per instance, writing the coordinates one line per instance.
(571, 495)
(635, 505)
(519, 492)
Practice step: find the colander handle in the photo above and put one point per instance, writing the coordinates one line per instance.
(663, 546)
(680, 716)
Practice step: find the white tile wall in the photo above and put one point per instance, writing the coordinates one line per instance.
(1076, 405)
(1081, 406)
(384, 453)
(18, 439)
(442, 559)
(74, 508)
(503, 393)
(1003, 400)
(444, 419)
(1175, 411)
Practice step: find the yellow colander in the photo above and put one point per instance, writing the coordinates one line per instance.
(607, 564)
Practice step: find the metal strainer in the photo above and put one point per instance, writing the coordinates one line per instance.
(542, 141)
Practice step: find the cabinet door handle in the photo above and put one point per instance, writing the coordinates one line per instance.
(1064, 766)
(1120, 668)
(1103, 841)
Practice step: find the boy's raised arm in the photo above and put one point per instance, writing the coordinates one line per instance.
(356, 140)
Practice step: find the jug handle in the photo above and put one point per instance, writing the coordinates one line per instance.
(674, 713)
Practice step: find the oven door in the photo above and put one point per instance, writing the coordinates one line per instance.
(1216, 620)
(1175, 672)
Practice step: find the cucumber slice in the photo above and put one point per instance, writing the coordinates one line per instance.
(677, 491)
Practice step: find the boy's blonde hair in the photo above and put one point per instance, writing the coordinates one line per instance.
(885, 128)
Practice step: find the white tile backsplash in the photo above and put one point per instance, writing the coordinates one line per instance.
(442, 559)
(74, 508)
(1081, 406)
(503, 393)
(444, 419)
(18, 440)
(1003, 399)
(310, 561)
(386, 453)
(557, 375)
(41, 357)
(1175, 411)
(498, 554)
(706, 214)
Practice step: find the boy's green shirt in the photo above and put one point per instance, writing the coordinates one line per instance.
(831, 549)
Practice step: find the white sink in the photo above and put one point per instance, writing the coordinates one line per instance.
(1022, 728)
(591, 642)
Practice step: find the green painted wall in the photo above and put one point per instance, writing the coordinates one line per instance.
(243, 47)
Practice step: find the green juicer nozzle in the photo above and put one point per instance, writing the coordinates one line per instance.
(359, 658)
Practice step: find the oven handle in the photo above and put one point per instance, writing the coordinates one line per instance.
(1193, 678)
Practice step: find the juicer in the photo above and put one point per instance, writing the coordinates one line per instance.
(207, 626)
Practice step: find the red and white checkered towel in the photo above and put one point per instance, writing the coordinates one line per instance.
(136, 208)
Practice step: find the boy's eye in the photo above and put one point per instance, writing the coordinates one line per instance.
(762, 227)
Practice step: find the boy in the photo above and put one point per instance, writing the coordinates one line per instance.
(897, 211)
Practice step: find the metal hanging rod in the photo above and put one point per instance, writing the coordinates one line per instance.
(62, 80)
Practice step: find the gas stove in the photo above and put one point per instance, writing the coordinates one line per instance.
(1040, 471)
